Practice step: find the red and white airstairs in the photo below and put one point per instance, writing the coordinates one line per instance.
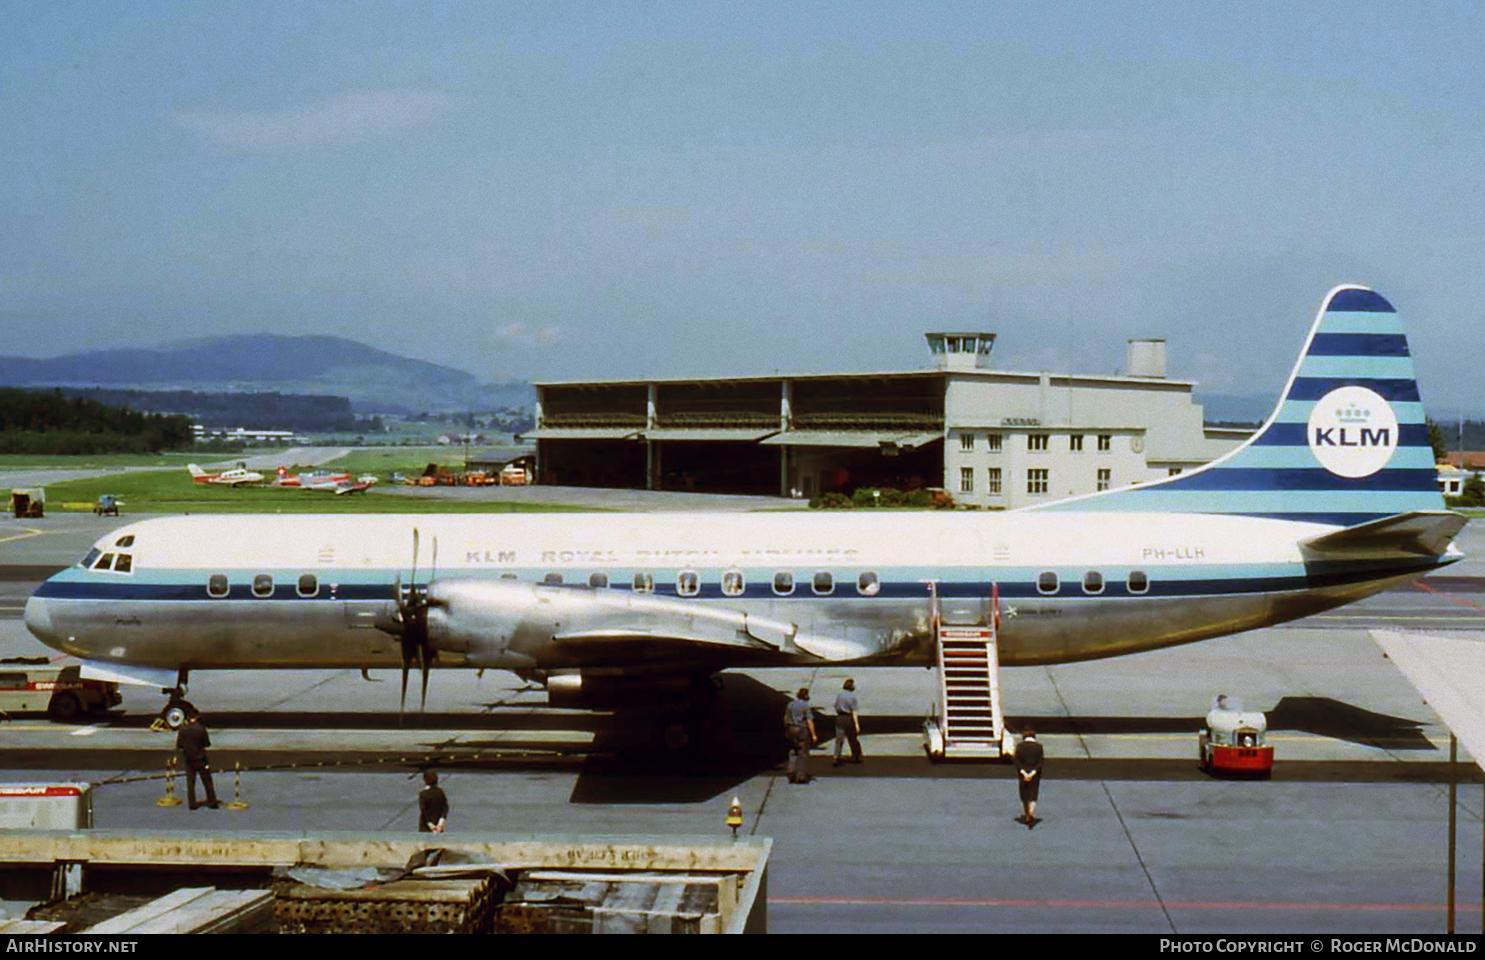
(968, 723)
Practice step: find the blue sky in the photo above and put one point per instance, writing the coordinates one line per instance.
(552, 190)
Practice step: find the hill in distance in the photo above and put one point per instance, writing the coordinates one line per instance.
(374, 380)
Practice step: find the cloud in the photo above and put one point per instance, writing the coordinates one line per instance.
(518, 334)
(353, 117)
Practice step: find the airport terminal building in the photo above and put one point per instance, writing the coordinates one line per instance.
(991, 438)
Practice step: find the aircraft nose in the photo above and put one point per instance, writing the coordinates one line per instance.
(39, 621)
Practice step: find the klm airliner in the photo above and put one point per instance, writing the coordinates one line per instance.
(1332, 500)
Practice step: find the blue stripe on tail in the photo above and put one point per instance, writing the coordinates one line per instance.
(1346, 444)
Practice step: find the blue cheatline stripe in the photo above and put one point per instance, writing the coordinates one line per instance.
(1369, 368)
(1298, 456)
(1328, 344)
(1298, 411)
(1310, 478)
(1296, 435)
(1362, 323)
(1162, 583)
(1364, 301)
(1313, 388)
(1176, 498)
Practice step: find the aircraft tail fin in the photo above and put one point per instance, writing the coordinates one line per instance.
(1347, 443)
(194, 470)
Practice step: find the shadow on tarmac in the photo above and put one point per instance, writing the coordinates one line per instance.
(741, 737)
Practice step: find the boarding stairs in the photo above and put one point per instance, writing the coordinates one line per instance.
(967, 723)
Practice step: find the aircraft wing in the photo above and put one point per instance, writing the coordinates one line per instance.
(613, 626)
(1421, 533)
(1450, 674)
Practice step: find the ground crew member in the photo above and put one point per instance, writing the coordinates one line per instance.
(1028, 758)
(192, 742)
(799, 727)
(847, 721)
(433, 805)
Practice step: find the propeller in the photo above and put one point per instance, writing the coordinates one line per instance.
(410, 625)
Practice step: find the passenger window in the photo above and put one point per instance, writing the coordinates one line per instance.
(732, 583)
(1093, 582)
(644, 583)
(1046, 583)
(216, 586)
(124, 564)
(868, 585)
(598, 581)
(509, 576)
(308, 585)
(87, 561)
(1138, 582)
(552, 580)
(105, 562)
(783, 583)
(262, 585)
(688, 583)
(125, 541)
(823, 583)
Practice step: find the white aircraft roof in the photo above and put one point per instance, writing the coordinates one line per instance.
(1450, 673)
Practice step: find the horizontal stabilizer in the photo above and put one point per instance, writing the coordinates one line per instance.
(1421, 533)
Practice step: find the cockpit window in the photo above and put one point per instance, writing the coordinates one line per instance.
(87, 561)
(124, 564)
(125, 541)
(105, 562)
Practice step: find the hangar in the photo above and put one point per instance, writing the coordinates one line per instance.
(992, 438)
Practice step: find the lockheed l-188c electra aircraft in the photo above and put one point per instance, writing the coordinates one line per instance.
(1334, 499)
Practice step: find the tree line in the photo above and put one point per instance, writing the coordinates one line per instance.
(52, 423)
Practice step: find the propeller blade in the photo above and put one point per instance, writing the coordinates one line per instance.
(424, 665)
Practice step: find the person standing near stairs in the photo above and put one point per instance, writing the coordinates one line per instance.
(1028, 758)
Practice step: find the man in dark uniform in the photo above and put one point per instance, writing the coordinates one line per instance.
(1028, 776)
(433, 805)
(192, 742)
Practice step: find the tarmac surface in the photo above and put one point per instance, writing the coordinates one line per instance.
(1348, 836)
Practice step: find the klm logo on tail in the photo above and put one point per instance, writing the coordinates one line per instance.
(1347, 444)
(1353, 432)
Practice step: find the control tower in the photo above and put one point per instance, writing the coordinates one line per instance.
(960, 351)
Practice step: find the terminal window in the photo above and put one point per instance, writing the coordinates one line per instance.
(992, 440)
(1036, 441)
(966, 479)
(1105, 442)
(966, 442)
(993, 484)
(1105, 479)
(1075, 443)
(1037, 481)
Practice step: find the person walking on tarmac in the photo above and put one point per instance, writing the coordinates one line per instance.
(799, 727)
(433, 805)
(192, 742)
(1028, 758)
(847, 721)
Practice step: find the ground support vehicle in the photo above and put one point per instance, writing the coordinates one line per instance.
(1234, 743)
(36, 684)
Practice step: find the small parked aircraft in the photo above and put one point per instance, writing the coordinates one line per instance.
(238, 476)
